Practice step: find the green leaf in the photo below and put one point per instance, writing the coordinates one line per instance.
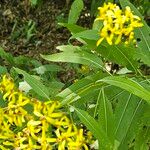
(75, 54)
(128, 114)
(143, 34)
(94, 5)
(75, 11)
(34, 2)
(128, 84)
(146, 115)
(80, 88)
(37, 86)
(97, 25)
(50, 68)
(73, 28)
(119, 54)
(68, 48)
(106, 118)
(95, 128)
(3, 70)
(55, 87)
(21, 60)
(141, 141)
(123, 102)
(87, 34)
(8, 57)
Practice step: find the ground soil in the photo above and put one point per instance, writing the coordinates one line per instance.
(46, 37)
(15, 16)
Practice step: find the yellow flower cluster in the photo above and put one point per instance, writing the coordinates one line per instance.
(118, 25)
(46, 127)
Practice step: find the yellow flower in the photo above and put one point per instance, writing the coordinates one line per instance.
(79, 142)
(47, 111)
(5, 130)
(6, 84)
(19, 141)
(63, 136)
(62, 122)
(15, 113)
(44, 128)
(3, 148)
(118, 25)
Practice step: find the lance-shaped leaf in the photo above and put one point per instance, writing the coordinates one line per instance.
(106, 117)
(128, 84)
(73, 28)
(142, 139)
(119, 54)
(80, 88)
(37, 86)
(95, 128)
(75, 54)
(8, 57)
(75, 10)
(128, 115)
(87, 34)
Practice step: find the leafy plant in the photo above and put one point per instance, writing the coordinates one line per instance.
(27, 31)
(75, 10)
(116, 120)
(35, 2)
(113, 106)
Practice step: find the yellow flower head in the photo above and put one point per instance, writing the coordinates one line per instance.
(118, 25)
(46, 127)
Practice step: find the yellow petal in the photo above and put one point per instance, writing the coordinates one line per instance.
(99, 41)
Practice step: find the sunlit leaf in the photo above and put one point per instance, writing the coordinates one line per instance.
(142, 139)
(105, 113)
(80, 88)
(87, 34)
(128, 84)
(75, 11)
(75, 54)
(73, 28)
(95, 128)
(128, 113)
(120, 54)
(36, 85)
